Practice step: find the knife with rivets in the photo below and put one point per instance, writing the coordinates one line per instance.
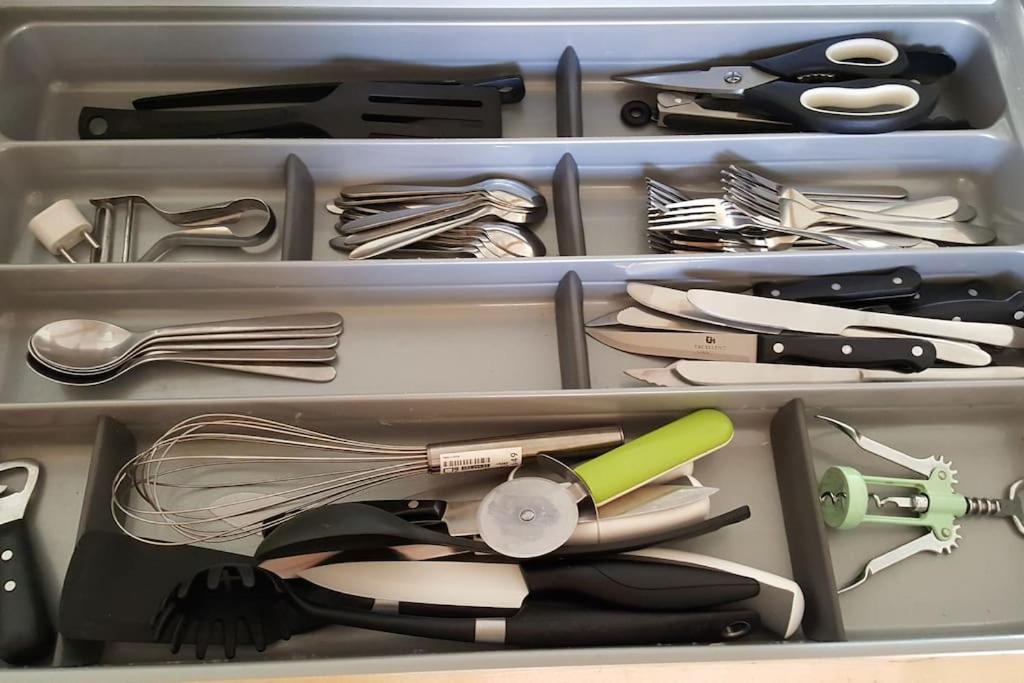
(907, 354)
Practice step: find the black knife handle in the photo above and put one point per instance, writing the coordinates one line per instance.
(422, 512)
(1008, 311)
(98, 123)
(639, 584)
(895, 353)
(541, 625)
(26, 633)
(938, 292)
(848, 288)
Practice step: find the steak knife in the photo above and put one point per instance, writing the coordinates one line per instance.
(615, 581)
(896, 353)
(847, 288)
(638, 317)
(1008, 311)
(676, 302)
(801, 317)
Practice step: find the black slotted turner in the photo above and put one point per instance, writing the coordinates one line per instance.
(351, 110)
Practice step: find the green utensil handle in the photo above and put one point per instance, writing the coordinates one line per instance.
(646, 458)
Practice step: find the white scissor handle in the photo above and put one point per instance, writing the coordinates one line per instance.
(859, 50)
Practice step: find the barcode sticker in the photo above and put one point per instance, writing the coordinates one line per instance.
(483, 459)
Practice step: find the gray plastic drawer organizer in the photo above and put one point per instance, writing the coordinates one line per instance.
(438, 350)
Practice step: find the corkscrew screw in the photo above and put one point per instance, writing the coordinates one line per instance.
(931, 504)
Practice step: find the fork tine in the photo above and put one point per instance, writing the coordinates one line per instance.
(751, 204)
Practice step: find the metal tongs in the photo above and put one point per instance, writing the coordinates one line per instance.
(932, 503)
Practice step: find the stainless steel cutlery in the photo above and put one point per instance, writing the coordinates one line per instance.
(88, 352)
(756, 213)
(724, 373)
(487, 219)
(855, 327)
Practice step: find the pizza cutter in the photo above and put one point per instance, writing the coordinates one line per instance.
(537, 510)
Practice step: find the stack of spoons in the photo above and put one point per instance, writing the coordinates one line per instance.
(81, 352)
(486, 219)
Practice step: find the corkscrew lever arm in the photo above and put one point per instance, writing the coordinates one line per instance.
(923, 466)
(927, 543)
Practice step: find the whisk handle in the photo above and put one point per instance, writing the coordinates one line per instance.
(509, 451)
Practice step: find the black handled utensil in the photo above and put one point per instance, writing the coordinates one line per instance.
(882, 352)
(354, 526)
(26, 634)
(845, 288)
(350, 110)
(614, 581)
(900, 289)
(239, 598)
(1008, 311)
(511, 89)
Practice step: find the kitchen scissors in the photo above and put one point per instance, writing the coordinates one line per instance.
(854, 84)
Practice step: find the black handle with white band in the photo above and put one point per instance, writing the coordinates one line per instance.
(852, 107)
(848, 288)
(858, 56)
(620, 582)
(554, 625)
(891, 353)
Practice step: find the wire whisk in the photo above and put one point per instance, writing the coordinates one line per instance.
(221, 477)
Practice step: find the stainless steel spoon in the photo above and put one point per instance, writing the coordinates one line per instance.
(203, 347)
(91, 344)
(502, 189)
(305, 372)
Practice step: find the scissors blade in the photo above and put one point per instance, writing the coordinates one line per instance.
(720, 81)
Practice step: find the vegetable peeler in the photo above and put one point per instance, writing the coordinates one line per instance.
(932, 504)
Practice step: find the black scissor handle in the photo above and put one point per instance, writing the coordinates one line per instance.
(859, 56)
(863, 106)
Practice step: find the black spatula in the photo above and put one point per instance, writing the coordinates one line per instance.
(351, 110)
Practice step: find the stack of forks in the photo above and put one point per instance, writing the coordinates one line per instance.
(756, 214)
